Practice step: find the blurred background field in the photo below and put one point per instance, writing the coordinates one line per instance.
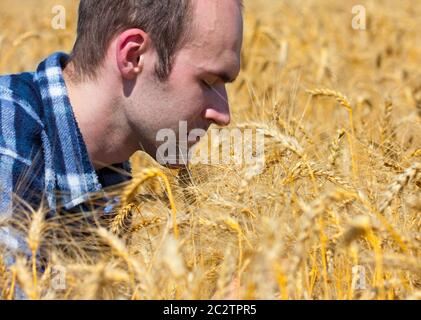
(336, 212)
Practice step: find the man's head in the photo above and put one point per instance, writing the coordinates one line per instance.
(163, 61)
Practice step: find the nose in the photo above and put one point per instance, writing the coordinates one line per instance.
(220, 118)
(219, 112)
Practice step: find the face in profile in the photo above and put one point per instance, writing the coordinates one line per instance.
(195, 91)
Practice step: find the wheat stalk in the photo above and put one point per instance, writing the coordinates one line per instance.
(397, 186)
(130, 192)
(24, 278)
(4, 277)
(145, 224)
(34, 239)
(121, 251)
(344, 102)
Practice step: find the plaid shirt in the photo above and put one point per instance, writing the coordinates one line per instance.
(42, 153)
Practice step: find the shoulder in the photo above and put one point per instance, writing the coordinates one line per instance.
(21, 92)
(20, 115)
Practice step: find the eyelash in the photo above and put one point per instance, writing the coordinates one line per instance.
(206, 84)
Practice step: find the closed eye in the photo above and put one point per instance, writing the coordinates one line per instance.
(207, 84)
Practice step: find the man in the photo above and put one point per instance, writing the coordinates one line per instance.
(137, 67)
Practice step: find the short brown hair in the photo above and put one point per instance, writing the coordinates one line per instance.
(99, 21)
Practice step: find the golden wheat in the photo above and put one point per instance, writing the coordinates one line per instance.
(336, 191)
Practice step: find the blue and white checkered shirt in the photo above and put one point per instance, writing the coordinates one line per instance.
(42, 153)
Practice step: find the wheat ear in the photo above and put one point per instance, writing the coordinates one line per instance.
(130, 192)
(397, 186)
(344, 102)
(335, 148)
(123, 216)
(34, 239)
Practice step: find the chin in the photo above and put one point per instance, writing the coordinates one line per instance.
(179, 163)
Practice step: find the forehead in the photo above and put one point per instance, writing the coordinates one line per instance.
(216, 31)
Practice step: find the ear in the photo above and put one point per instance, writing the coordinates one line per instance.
(131, 47)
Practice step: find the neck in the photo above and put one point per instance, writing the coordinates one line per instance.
(100, 120)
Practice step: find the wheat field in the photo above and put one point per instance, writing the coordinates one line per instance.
(335, 212)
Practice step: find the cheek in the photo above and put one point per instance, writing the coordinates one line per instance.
(192, 101)
(188, 96)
